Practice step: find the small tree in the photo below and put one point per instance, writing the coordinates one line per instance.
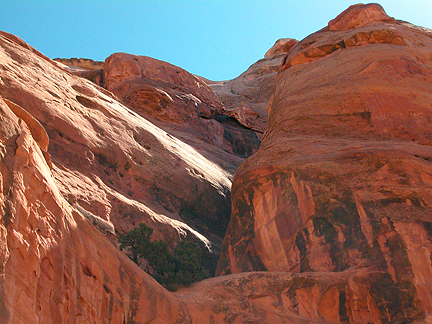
(190, 267)
(182, 268)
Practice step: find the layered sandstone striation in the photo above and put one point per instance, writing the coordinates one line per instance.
(342, 179)
(335, 206)
(115, 165)
(55, 267)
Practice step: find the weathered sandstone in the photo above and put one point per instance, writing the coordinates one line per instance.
(342, 179)
(55, 267)
(180, 103)
(335, 205)
(82, 63)
(297, 298)
(246, 97)
(86, 68)
(111, 161)
(281, 46)
(165, 90)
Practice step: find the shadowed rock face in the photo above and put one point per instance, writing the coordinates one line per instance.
(342, 179)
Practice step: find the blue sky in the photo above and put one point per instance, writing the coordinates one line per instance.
(215, 39)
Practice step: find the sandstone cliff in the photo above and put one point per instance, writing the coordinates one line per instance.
(331, 217)
(114, 163)
(55, 266)
(342, 179)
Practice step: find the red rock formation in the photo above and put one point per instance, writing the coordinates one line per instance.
(55, 267)
(178, 102)
(336, 203)
(112, 162)
(283, 297)
(82, 63)
(175, 100)
(342, 179)
(165, 90)
(281, 46)
(15, 39)
(359, 15)
(86, 68)
(246, 97)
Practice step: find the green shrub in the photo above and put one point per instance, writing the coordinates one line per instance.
(180, 268)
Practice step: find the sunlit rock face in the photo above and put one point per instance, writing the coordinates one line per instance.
(110, 161)
(81, 63)
(335, 205)
(281, 46)
(55, 267)
(163, 89)
(180, 103)
(342, 179)
(86, 68)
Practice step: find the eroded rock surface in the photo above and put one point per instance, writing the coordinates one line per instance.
(55, 267)
(163, 89)
(342, 179)
(354, 296)
(246, 97)
(281, 46)
(111, 161)
(178, 102)
(82, 63)
(336, 203)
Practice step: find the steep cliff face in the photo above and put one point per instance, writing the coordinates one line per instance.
(342, 179)
(55, 266)
(111, 162)
(336, 205)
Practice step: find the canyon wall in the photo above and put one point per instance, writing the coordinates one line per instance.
(115, 164)
(331, 218)
(342, 179)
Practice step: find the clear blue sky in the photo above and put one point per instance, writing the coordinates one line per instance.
(215, 39)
